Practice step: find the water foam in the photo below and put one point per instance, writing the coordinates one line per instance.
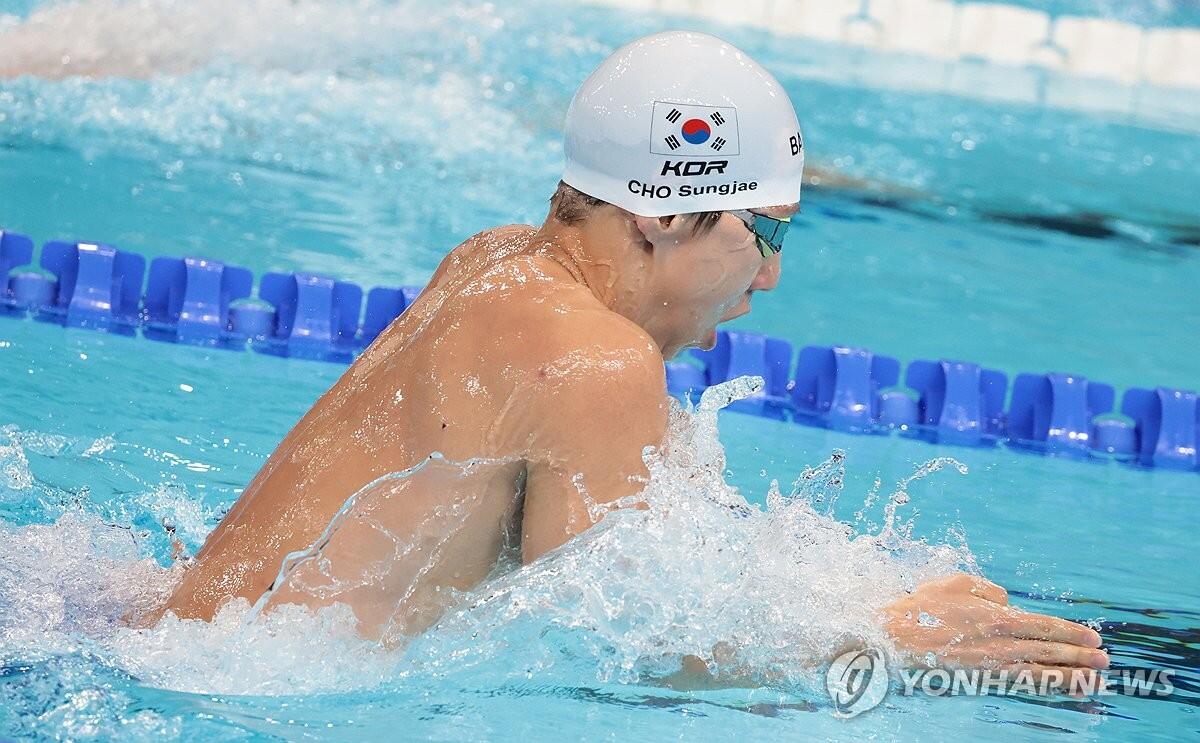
(765, 595)
(145, 38)
(307, 86)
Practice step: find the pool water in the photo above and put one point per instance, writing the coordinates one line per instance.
(366, 141)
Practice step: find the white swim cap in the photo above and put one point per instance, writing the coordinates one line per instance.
(682, 122)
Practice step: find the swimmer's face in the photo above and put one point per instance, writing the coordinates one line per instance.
(699, 281)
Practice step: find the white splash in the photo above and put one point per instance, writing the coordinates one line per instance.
(765, 594)
(302, 85)
(762, 593)
(145, 38)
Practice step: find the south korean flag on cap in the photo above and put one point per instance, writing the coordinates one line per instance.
(694, 131)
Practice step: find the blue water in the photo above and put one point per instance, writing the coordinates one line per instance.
(365, 142)
(1151, 13)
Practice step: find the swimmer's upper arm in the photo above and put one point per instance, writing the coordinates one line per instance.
(593, 416)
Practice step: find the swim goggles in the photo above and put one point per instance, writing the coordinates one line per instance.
(768, 231)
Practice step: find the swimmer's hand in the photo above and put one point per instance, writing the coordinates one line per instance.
(963, 621)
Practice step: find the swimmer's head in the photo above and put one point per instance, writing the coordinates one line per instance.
(688, 139)
(682, 275)
(682, 122)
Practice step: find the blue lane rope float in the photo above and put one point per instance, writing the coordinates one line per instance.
(205, 302)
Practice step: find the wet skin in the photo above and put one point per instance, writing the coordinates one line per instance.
(537, 357)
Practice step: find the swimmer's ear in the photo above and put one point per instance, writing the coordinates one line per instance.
(661, 230)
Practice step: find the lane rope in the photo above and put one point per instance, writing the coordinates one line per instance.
(204, 302)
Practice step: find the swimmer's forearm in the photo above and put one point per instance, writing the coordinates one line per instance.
(695, 675)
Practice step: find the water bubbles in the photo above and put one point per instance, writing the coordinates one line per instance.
(718, 396)
(925, 619)
(14, 468)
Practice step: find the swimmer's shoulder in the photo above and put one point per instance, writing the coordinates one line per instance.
(502, 240)
(544, 321)
(541, 303)
(483, 248)
(584, 384)
(578, 335)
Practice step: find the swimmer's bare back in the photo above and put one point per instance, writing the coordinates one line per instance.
(505, 357)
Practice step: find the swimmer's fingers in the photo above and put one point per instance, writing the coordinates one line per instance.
(987, 590)
(996, 653)
(1032, 626)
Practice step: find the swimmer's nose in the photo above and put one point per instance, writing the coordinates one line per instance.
(768, 275)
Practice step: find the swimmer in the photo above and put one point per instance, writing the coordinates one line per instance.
(534, 360)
